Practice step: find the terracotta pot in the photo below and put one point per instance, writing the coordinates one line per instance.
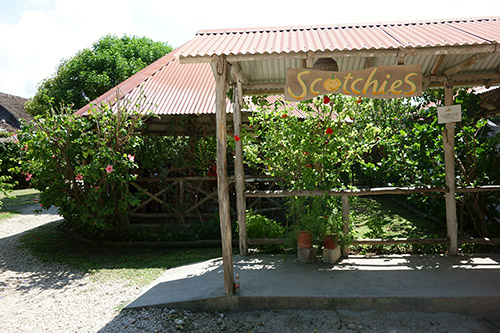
(331, 241)
(304, 240)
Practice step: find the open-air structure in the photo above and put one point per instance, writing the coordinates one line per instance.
(374, 60)
(450, 53)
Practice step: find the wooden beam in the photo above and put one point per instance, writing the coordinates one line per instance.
(438, 63)
(369, 62)
(449, 168)
(387, 241)
(239, 172)
(345, 218)
(238, 72)
(466, 63)
(353, 192)
(221, 75)
(310, 59)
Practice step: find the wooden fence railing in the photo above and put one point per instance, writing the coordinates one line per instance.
(345, 193)
(177, 200)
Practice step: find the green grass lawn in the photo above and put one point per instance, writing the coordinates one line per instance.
(382, 218)
(18, 199)
(137, 266)
(379, 217)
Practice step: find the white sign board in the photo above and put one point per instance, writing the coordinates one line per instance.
(450, 114)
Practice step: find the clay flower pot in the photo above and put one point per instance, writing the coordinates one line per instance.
(331, 241)
(304, 240)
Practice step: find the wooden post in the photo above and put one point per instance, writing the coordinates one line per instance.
(182, 209)
(221, 75)
(449, 167)
(239, 172)
(345, 218)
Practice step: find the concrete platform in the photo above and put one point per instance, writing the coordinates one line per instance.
(426, 283)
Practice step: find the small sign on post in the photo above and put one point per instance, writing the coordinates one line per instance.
(449, 114)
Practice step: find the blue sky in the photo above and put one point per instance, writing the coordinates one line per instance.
(35, 35)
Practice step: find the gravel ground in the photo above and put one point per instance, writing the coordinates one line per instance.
(40, 297)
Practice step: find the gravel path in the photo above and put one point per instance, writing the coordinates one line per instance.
(40, 297)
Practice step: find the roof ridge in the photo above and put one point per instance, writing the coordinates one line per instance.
(341, 25)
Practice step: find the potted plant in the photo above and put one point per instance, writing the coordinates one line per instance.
(309, 226)
(333, 231)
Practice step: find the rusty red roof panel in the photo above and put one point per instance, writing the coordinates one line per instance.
(248, 41)
(168, 88)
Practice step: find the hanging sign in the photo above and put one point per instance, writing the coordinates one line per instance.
(376, 82)
(449, 114)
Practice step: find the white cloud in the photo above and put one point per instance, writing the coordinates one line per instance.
(32, 48)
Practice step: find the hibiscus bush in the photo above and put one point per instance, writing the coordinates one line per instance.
(315, 151)
(83, 165)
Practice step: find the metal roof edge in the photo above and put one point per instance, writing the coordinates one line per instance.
(339, 25)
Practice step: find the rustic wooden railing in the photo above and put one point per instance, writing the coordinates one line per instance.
(345, 193)
(176, 200)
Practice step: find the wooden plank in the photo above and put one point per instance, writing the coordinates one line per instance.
(462, 77)
(149, 194)
(365, 192)
(144, 203)
(449, 166)
(267, 241)
(395, 241)
(239, 172)
(353, 192)
(485, 188)
(221, 76)
(153, 215)
(387, 241)
(201, 202)
(345, 218)
(424, 241)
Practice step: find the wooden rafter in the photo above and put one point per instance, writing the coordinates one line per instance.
(466, 63)
(438, 63)
(238, 72)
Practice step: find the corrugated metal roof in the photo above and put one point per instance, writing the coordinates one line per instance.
(248, 41)
(175, 88)
(168, 88)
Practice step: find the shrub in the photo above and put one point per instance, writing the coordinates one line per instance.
(83, 165)
(260, 226)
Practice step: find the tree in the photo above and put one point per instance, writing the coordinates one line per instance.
(92, 72)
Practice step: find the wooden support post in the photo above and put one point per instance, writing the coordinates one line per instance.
(345, 218)
(221, 75)
(182, 209)
(239, 172)
(449, 166)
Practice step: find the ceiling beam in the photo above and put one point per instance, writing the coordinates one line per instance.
(238, 72)
(438, 63)
(466, 63)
